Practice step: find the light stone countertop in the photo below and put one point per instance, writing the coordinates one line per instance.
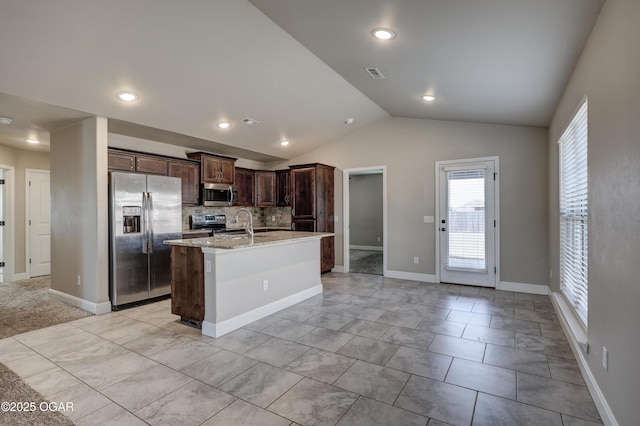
(236, 241)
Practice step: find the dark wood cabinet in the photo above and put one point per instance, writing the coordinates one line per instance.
(121, 161)
(312, 205)
(245, 181)
(129, 161)
(303, 192)
(187, 283)
(189, 173)
(283, 188)
(213, 168)
(151, 165)
(265, 189)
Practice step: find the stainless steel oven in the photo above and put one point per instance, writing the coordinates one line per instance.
(218, 194)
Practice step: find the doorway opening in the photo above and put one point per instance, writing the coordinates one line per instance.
(365, 224)
(467, 208)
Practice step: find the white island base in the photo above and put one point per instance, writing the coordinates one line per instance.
(246, 284)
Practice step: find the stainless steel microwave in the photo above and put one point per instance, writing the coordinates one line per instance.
(218, 194)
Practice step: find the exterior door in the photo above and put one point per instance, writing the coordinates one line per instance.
(39, 223)
(467, 222)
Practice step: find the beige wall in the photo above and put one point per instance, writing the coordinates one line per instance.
(409, 148)
(21, 160)
(79, 212)
(608, 74)
(365, 210)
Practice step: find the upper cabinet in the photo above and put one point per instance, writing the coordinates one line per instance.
(303, 192)
(265, 189)
(129, 161)
(123, 161)
(213, 168)
(134, 162)
(283, 188)
(189, 173)
(245, 181)
(151, 165)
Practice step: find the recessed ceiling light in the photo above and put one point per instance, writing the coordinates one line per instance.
(5, 120)
(428, 98)
(223, 125)
(383, 33)
(33, 141)
(284, 143)
(127, 96)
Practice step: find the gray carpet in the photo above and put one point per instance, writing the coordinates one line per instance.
(25, 306)
(365, 262)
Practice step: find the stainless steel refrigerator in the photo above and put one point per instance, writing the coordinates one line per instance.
(144, 210)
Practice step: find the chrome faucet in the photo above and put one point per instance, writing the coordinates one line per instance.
(249, 224)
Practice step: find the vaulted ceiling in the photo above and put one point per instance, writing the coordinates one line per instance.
(295, 66)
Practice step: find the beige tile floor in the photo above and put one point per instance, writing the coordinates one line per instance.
(369, 351)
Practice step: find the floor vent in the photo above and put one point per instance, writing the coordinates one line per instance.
(375, 73)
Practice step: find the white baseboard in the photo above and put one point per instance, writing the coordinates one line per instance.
(368, 248)
(596, 393)
(224, 327)
(411, 276)
(523, 288)
(94, 308)
(18, 277)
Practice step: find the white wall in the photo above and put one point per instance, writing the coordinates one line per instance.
(365, 210)
(409, 148)
(608, 73)
(79, 214)
(21, 160)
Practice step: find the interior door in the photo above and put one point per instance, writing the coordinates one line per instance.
(39, 223)
(467, 223)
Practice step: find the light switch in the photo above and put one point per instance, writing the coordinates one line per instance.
(428, 219)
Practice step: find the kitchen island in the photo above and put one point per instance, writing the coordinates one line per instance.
(225, 282)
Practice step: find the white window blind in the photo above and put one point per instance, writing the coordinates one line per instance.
(574, 267)
(466, 248)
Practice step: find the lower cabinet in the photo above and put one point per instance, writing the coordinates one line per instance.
(187, 283)
(327, 252)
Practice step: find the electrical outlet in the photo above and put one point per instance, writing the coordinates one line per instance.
(79, 280)
(605, 358)
(265, 285)
(207, 266)
(416, 260)
(273, 218)
(378, 239)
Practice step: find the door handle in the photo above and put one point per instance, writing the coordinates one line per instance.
(443, 229)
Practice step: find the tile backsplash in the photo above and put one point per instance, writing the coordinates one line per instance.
(262, 216)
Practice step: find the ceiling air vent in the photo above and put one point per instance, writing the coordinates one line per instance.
(375, 73)
(250, 121)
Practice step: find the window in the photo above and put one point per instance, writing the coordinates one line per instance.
(574, 211)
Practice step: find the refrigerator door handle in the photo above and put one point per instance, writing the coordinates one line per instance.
(150, 221)
(146, 228)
